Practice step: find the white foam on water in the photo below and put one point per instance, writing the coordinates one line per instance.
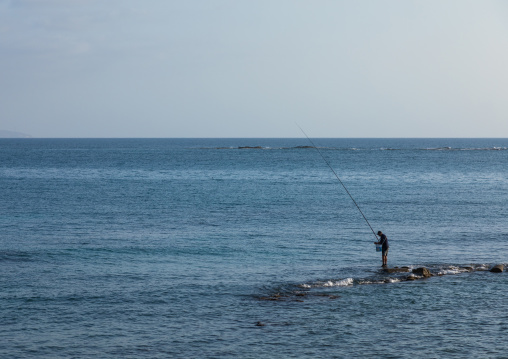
(371, 282)
(451, 270)
(341, 283)
(392, 280)
(482, 267)
(366, 282)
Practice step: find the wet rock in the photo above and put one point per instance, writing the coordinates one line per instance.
(469, 269)
(396, 270)
(411, 277)
(260, 324)
(499, 268)
(422, 271)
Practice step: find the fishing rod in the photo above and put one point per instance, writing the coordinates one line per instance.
(336, 175)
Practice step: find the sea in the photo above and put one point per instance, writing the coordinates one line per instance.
(253, 248)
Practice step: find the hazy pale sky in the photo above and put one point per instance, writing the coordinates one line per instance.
(252, 68)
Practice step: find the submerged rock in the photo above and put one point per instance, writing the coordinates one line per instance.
(499, 268)
(422, 271)
(275, 296)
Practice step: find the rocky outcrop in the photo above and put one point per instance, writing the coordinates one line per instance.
(499, 268)
(396, 270)
(383, 275)
(423, 272)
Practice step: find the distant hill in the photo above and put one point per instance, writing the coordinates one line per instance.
(13, 134)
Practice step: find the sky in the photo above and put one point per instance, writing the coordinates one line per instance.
(254, 68)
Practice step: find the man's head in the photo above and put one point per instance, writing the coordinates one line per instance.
(379, 233)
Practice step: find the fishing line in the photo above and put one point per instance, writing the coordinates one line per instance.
(336, 175)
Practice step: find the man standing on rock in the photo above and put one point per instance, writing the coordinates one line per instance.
(384, 242)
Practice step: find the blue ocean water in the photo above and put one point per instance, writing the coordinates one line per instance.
(200, 248)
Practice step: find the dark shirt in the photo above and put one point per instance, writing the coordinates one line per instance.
(384, 241)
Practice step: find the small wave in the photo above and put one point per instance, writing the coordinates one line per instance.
(392, 280)
(452, 270)
(331, 283)
(340, 283)
(482, 267)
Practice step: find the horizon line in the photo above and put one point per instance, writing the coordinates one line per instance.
(253, 138)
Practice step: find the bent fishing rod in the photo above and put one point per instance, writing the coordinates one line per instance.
(336, 175)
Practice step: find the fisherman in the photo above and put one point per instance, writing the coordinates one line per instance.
(384, 242)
